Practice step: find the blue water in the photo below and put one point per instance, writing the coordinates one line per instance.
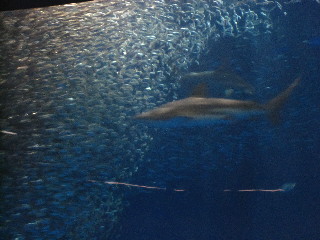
(73, 77)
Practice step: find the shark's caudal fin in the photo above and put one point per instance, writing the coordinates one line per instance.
(274, 105)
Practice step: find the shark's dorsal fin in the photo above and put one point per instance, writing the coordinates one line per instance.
(201, 90)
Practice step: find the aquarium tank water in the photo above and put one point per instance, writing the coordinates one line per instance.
(160, 120)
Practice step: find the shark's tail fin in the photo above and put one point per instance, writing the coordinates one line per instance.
(274, 105)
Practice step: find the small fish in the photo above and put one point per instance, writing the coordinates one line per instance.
(199, 107)
(7, 132)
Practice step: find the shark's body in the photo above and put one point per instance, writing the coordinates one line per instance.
(202, 108)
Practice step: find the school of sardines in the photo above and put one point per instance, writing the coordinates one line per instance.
(72, 78)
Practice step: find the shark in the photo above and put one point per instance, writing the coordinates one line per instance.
(198, 107)
(223, 76)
